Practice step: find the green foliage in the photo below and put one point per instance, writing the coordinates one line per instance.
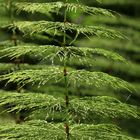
(97, 79)
(83, 109)
(28, 27)
(71, 118)
(39, 76)
(51, 52)
(35, 130)
(54, 7)
(76, 78)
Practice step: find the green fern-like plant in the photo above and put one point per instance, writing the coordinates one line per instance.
(67, 118)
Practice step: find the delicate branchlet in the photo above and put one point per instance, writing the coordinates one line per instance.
(73, 116)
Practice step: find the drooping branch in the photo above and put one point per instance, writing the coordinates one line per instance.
(28, 27)
(55, 7)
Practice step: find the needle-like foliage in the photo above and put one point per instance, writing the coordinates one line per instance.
(84, 109)
(76, 78)
(70, 117)
(35, 130)
(50, 51)
(54, 7)
(28, 27)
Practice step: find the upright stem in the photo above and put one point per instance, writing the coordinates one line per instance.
(8, 4)
(66, 79)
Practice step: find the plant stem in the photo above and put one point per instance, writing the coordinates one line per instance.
(8, 4)
(66, 79)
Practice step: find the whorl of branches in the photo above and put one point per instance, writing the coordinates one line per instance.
(51, 52)
(28, 27)
(54, 7)
(76, 78)
(81, 110)
(37, 129)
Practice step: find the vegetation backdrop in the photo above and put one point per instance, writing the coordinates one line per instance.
(69, 70)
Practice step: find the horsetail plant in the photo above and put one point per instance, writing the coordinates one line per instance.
(75, 115)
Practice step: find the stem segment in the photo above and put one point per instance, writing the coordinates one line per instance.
(66, 79)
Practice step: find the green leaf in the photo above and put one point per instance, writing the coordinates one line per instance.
(97, 79)
(87, 110)
(54, 7)
(35, 130)
(53, 52)
(52, 73)
(28, 27)
(44, 8)
(99, 108)
(75, 78)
